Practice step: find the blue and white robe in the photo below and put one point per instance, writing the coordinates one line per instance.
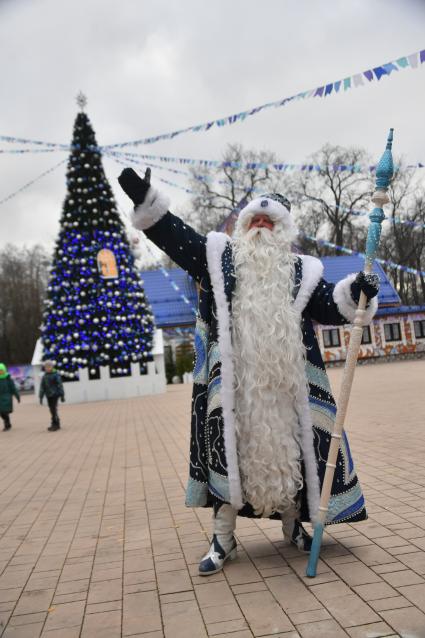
(214, 473)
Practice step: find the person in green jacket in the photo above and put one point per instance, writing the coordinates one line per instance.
(7, 391)
(51, 387)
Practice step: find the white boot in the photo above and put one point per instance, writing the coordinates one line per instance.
(223, 545)
(295, 532)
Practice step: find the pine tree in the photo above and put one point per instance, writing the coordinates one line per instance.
(96, 313)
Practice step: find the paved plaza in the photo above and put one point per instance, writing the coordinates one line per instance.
(96, 540)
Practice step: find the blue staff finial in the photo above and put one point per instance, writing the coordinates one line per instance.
(384, 174)
(385, 168)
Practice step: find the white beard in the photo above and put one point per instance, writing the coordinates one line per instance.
(269, 370)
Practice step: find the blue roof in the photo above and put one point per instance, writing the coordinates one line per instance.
(167, 304)
(171, 310)
(337, 268)
(401, 310)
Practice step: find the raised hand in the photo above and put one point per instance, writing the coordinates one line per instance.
(134, 186)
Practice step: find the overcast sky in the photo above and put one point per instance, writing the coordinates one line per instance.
(155, 66)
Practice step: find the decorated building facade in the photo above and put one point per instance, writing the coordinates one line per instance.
(396, 330)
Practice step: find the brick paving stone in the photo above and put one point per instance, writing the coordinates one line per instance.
(228, 626)
(300, 617)
(414, 593)
(291, 594)
(27, 619)
(68, 632)
(322, 629)
(65, 615)
(174, 581)
(106, 624)
(408, 622)
(221, 613)
(94, 529)
(375, 591)
(34, 601)
(403, 577)
(395, 602)
(246, 633)
(23, 631)
(104, 591)
(356, 573)
(263, 613)
(351, 610)
(373, 630)
(183, 620)
(141, 610)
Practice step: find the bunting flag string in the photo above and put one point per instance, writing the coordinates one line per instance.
(22, 140)
(207, 178)
(276, 166)
(161, 179)
(412, 61)
(20, 151)
(348, 251)
(354, 81)
(33, 181)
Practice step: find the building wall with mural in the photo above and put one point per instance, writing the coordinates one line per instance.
(394, 331)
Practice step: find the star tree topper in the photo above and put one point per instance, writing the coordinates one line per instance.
(81, 100)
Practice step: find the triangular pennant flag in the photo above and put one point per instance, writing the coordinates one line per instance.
(337, 86)
(390, 67)
(329, 88)
(422, 55)
(413, 60)
(402, 62)
(358, 80)
(347, 83)
(319, 91)
(379, 71)
(369, 75)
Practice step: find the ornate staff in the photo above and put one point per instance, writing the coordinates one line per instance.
(384, 173)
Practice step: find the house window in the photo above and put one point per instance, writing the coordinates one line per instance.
(419, 329)
(367, 336)
(392, 332)
(331, 338)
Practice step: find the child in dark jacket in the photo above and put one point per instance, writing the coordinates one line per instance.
(8, 390)
(51, 387)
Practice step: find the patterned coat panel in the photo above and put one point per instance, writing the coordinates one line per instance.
(208, 481)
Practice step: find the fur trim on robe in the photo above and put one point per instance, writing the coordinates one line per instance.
(151, 211)
(346, 304)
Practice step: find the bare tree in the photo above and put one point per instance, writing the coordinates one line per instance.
(403, 239)
(219, 191)
(23, 279)
(327, 197)
(326, 202)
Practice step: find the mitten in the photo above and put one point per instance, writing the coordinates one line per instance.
(134, 186)
(367, 283)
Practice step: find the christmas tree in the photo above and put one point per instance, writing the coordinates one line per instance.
(96, 313)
